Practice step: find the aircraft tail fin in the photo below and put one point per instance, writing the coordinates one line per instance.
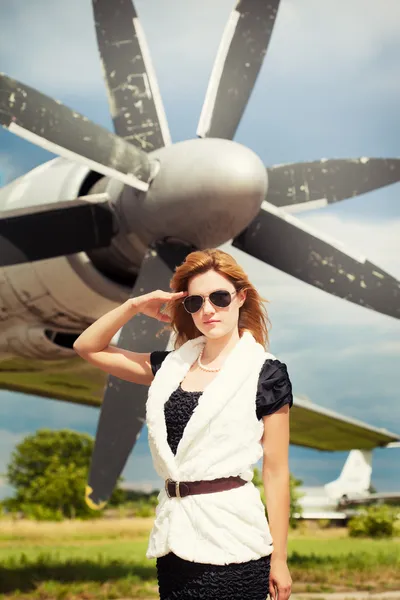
(355, 476)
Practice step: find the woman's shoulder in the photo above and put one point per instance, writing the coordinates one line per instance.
(274, 386)
(271, 365)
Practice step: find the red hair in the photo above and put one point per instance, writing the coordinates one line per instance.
(253, 315)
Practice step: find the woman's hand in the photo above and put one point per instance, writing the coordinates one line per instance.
(280, 581)
(151, 304)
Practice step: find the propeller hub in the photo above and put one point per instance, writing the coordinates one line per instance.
(205, 193)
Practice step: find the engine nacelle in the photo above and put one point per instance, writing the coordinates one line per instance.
(64, 294)
(32, 341)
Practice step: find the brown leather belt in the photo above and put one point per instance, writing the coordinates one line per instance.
(180, 489)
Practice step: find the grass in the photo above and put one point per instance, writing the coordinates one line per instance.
(105, 559)
(24, 530)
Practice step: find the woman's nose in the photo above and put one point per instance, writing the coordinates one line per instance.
(208, 307)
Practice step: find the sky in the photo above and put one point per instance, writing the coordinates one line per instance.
(328, 88)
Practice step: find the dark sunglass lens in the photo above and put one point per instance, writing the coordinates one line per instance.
(221, 298)
(193, 303)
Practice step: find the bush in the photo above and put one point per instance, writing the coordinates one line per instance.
(374, 521)
(153, 499)
(49, 471)
(396, 531)
(324, 523)
(144, 509)
(37, 512)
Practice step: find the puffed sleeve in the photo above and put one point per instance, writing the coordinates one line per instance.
(156, 359)
(274, 388)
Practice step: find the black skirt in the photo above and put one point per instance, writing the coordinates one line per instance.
(180, 579)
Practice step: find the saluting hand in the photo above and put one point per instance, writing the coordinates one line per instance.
(151, 304)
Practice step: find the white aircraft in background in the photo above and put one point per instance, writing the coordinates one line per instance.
(330, 501)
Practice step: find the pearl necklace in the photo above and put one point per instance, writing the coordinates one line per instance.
(202, 367)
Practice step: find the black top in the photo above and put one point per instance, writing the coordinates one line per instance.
(274, 391)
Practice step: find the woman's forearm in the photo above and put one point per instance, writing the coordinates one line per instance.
(277, 498)
(98, 335)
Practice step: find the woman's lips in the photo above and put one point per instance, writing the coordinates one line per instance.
(210, 322)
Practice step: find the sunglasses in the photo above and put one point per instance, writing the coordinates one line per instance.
(220, 299)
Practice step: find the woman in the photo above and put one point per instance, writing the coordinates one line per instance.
(217, 403)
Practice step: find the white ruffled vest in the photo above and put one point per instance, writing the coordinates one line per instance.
(222, 438)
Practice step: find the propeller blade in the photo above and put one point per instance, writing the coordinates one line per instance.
(134, 97)
(56, 229)
(123, 411)
(236, 67)
(302, 186)
(286, 243)
(55, 127)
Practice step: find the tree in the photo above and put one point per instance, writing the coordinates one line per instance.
(50, 469)
(295, 495)
(294, 508)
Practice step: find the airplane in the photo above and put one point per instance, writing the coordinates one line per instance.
(116, 213)
(334, 499)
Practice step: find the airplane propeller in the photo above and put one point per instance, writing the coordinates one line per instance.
(315, 184)
(55, 127)
(60, 229)
(313, 258)
(134, 156)
(134, 97)
(236, 67)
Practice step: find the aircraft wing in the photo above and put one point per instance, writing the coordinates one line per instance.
(313, 426)
(321, 514)
(73, 379)
(76, 381)
(386, 497)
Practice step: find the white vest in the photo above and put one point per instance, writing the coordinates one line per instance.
(222, 438)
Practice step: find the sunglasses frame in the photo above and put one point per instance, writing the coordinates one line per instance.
(208, 296)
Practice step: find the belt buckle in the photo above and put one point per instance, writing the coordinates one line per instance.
(177, 491)
(167, 481)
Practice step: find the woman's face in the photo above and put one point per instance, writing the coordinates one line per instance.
(213, 321)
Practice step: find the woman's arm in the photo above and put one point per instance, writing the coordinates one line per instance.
(275, 475)
(94, 343)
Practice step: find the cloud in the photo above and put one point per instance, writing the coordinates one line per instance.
(383, 348)
(47, 30)
(355, 35)
(318, 35)
(53, 28)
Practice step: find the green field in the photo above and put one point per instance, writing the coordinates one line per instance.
(106, 559)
